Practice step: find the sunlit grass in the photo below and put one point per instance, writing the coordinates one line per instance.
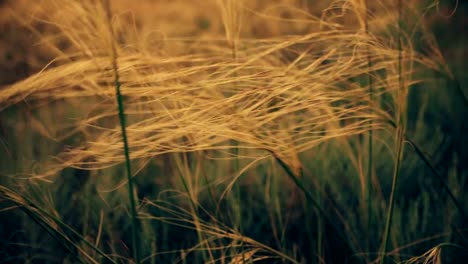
(259, 132)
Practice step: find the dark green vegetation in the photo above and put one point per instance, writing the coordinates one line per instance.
(256, 137)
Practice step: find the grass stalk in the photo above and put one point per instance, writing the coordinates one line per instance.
(119, 97)
(57, 236)
(309, 196)
(388, 223)
(231, 25)
(426, 161)
(400, 127)
(459, 89)
(194, 210)
(320, 225)
(39, 215)
(424, 157)
(370, 138)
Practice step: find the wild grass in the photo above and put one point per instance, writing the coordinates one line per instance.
(249, 132)
(400, 131)
(122, 117)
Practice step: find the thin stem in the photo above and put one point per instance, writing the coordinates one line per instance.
(370, 140)
(194, 208)
(400, 142)
(309, 196)
(119, 97)
(426, 161)
(57, 236)
(30, 208)
(388, 224)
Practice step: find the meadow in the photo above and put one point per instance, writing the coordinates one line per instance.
(233, 131)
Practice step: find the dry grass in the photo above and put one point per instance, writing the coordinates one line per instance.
(234, 80)
(285, 94)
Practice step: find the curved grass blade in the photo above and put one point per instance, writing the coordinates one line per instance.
(31, 209)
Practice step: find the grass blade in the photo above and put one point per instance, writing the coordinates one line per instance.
(400, 127)
(370, 138)
(426, 161)
(39, 216)
(309, 196)
(134, 221)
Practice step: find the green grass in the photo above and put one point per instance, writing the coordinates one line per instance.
(272, 134)
(122, 119)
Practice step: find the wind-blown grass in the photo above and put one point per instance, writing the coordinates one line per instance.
(229, 121)
(400, 132)
(122, 117)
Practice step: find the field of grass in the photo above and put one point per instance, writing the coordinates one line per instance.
(233, 131)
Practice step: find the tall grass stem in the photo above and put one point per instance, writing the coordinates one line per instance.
(309, 196)
(119, 97)
(370, 138)
(426, 161)
(400, 127)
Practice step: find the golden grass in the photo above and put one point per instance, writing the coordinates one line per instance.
(217, 76)
(285, 94)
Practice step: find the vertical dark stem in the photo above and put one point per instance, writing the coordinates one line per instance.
(119, 97)
(400, 141)
(370, 138)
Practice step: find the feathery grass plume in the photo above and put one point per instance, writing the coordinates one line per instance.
(432, 256)
(186, 100)
(231, 15)
(296, 90)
